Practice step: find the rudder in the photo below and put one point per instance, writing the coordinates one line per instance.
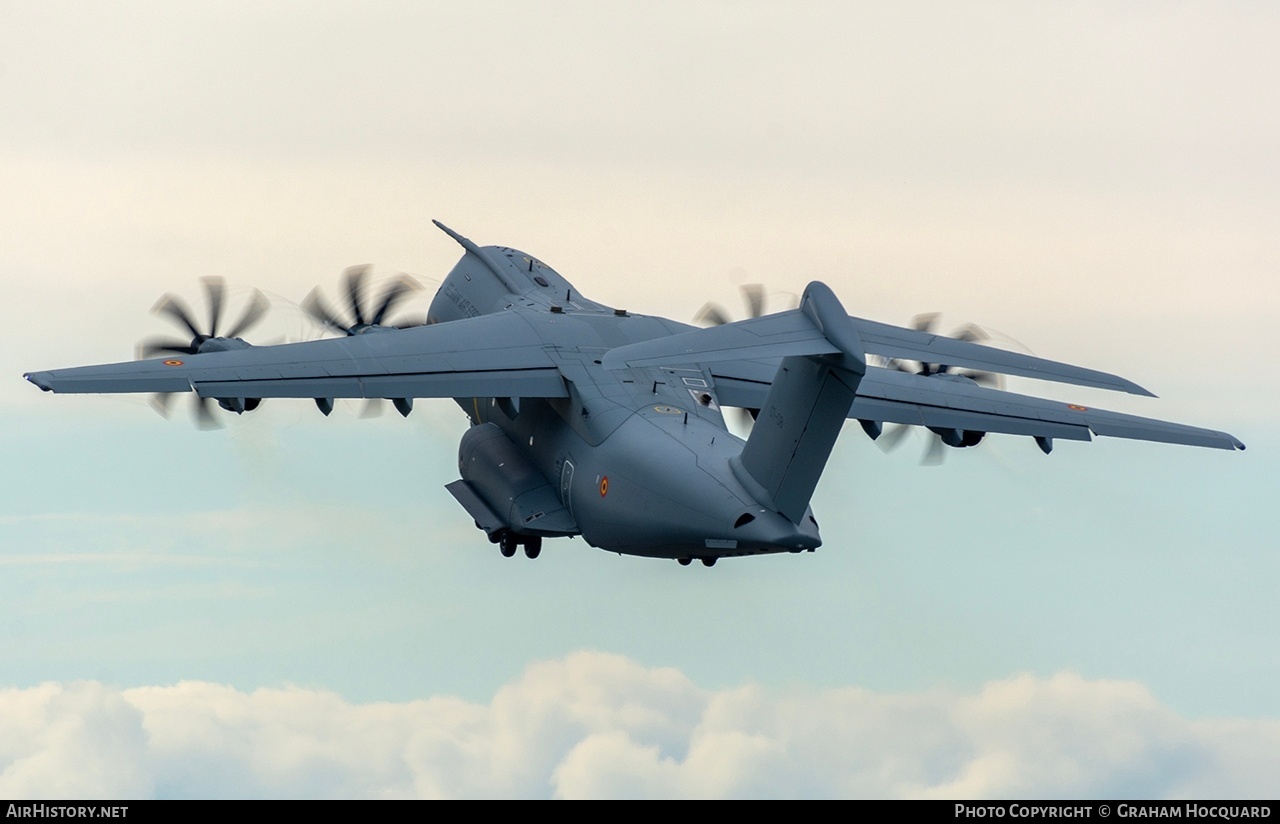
(804, 412)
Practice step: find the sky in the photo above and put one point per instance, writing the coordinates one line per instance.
(293, 606)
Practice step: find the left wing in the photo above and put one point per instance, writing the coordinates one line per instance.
(792, 333)
(744, 358)
(486, 356)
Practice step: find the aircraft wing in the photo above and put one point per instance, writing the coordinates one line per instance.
(743, 358)
(913, 344)
(950, 402)
(486, 356)
(793, 333)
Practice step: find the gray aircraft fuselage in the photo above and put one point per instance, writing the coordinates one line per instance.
(639, 459)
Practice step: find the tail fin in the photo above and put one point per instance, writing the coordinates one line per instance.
(802, 415)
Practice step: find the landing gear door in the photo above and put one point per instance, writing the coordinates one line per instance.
(566, 485)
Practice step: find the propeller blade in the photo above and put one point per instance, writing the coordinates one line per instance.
(315, 306)
(712, 314)
(990, 379)
(161, 402)
(402, 286)
(753, 296)
(373, 408)
(155, 347)
(899, 366)
(204, 417)
(891, 437)
(253, 313)
(173, 306)
(925, 322)
(356, 276)
(216, 289)
(935, 452)
(971, 332)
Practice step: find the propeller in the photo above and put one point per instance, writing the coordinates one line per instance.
(939, 439)
(935, 451)
(173, 308)
(753, 296)
(208, 340)
(969, 332)
(755, 299)
(363, 318)
(162, 402)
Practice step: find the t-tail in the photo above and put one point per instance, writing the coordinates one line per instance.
(801, 418)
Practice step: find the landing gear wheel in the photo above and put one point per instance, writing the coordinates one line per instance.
(507, 544)
(533, 547)
(684, 561)
(709, 562)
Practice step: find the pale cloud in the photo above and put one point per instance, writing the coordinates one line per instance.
(600, 725)
(80, 740)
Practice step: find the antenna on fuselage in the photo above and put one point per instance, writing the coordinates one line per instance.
(471, 247)
(462, 241)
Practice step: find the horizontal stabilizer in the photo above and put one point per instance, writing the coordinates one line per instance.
(784, 335)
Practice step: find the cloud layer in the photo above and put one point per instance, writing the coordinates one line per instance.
(596, 725)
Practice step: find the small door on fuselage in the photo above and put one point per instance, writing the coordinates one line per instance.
(566, 485)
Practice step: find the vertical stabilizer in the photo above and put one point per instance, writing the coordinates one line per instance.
(804, 411)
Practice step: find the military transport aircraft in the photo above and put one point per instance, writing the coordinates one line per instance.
(600, 422)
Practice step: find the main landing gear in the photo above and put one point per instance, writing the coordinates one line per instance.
(508, 542)
(710, 562)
